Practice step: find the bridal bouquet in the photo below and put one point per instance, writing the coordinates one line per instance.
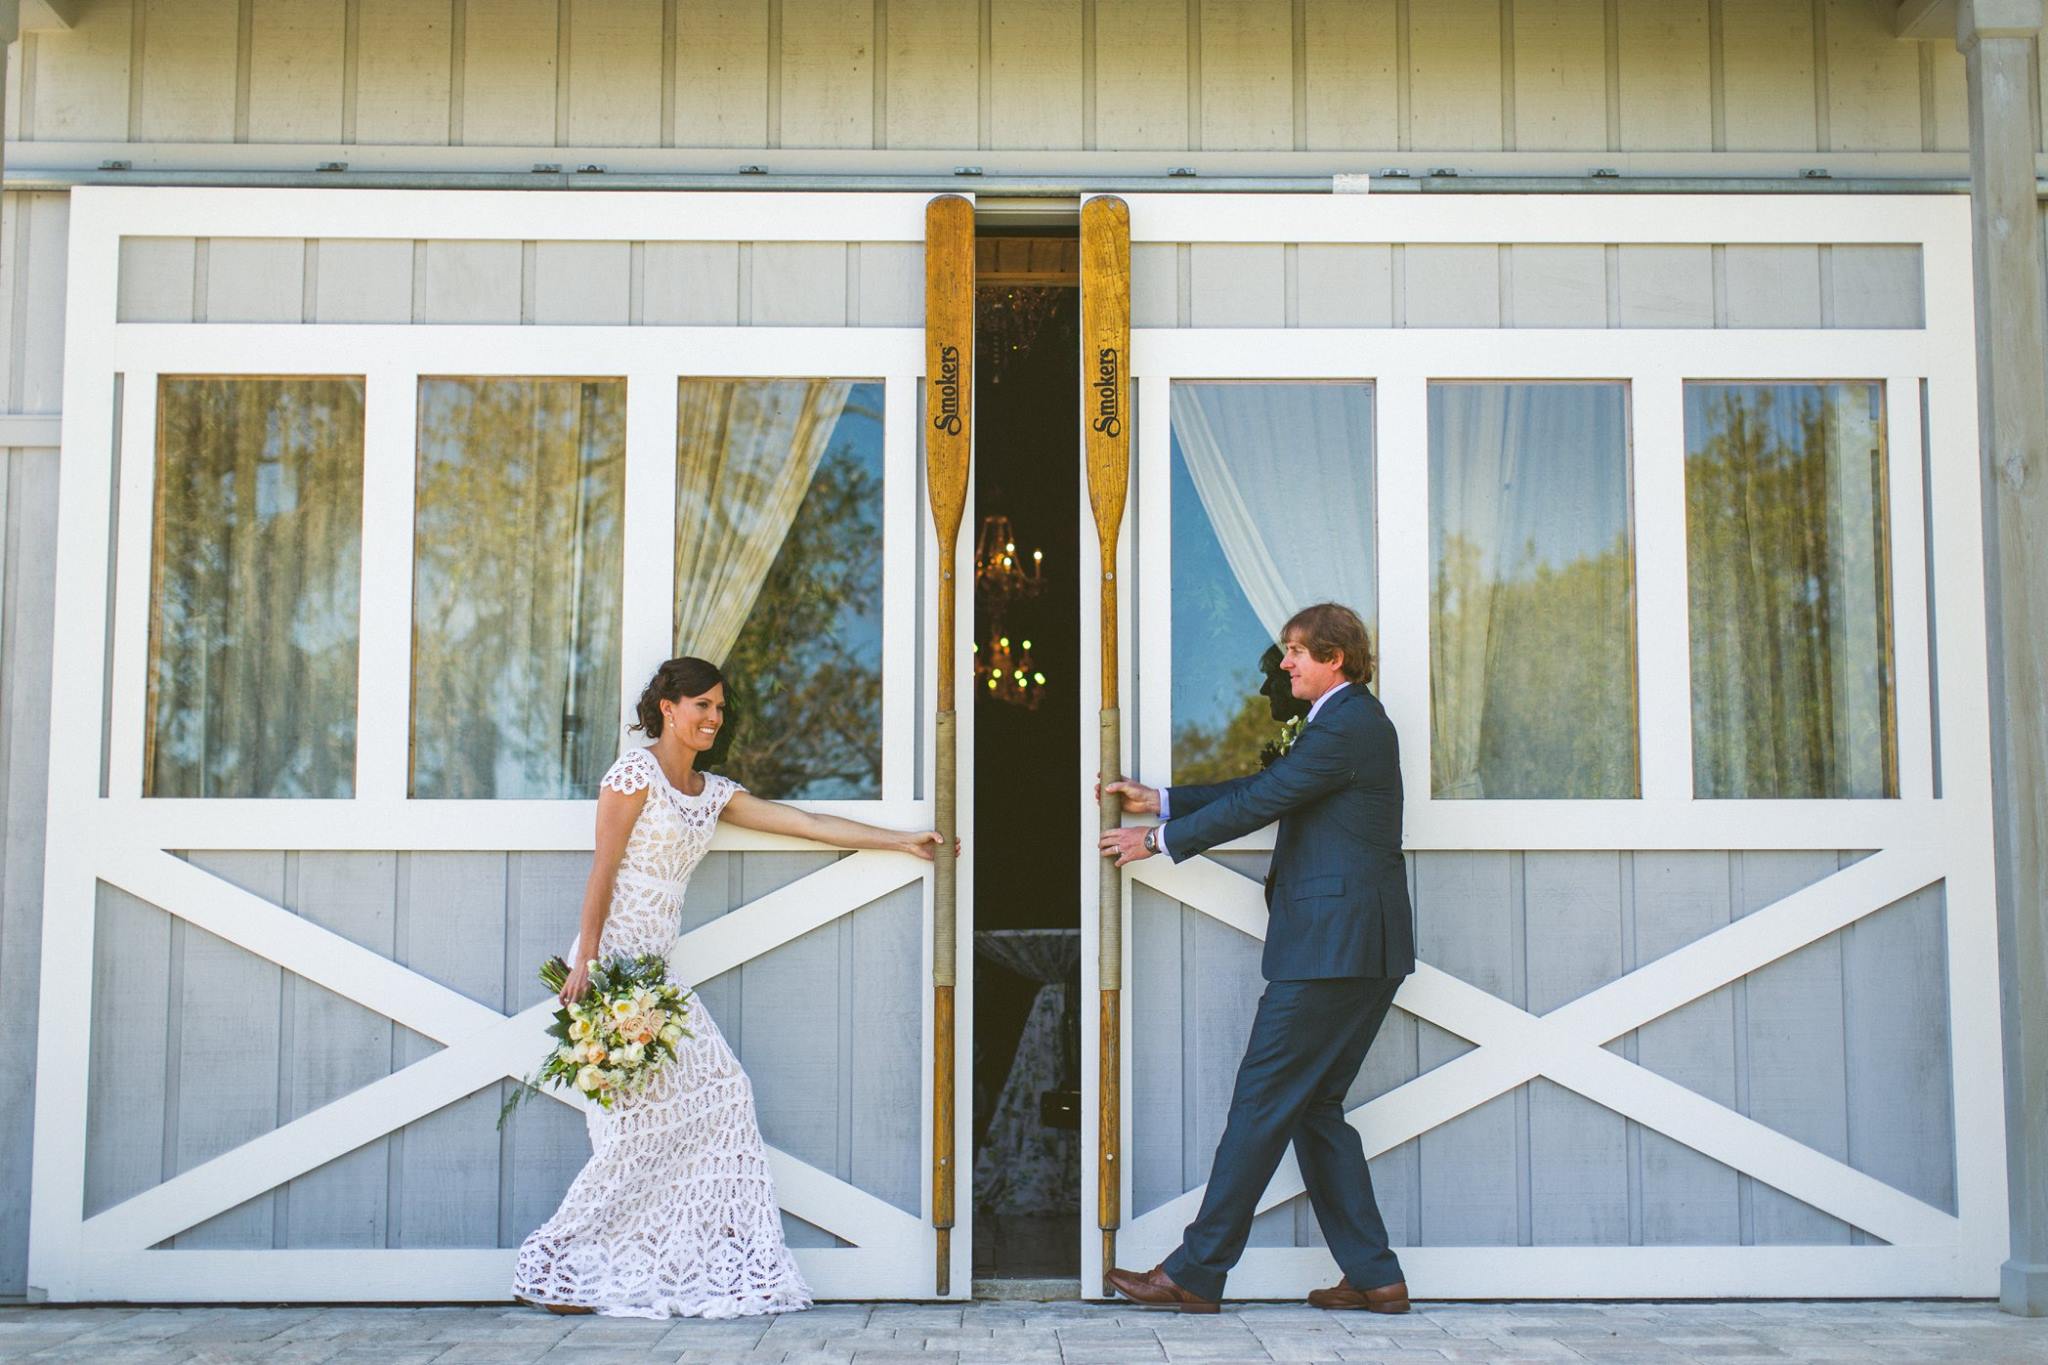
(612, 1040)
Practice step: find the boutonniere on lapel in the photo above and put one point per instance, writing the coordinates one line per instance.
(1290, 730)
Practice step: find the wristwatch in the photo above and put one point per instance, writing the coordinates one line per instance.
(1152, 839)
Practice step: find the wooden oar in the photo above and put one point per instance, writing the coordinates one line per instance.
(948, 447)
(1106, 420)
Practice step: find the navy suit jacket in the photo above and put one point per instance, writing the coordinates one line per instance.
(1337, 895)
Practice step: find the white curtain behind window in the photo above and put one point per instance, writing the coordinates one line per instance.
(746, 450)
(1285, 473)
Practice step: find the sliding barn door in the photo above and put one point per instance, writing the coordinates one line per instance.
(379, 509)
(1664, 518)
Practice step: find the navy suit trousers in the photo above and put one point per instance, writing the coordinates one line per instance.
(1308, 1040)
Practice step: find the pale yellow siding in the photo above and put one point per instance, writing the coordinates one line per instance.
(1573, 78)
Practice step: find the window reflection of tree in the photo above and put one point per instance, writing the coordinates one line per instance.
(516, 586)
(1558, 704)
(1788, 584)
(806, 671)
(256, 582)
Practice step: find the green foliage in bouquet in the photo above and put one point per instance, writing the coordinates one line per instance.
(614, 1038)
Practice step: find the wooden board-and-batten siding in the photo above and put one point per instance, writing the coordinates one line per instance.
(1573, 77)
(33, 247)
(1843, 1046)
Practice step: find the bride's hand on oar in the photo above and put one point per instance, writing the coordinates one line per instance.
(924, 843)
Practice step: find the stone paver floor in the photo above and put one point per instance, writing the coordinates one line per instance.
(1052, 1333)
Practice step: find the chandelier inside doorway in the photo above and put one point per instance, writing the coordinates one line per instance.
(1003, 666)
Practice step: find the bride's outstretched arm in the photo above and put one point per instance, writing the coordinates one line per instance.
(772, 817)
(616, 812)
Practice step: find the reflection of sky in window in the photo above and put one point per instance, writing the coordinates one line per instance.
(857, 441)
(1534, 476)
(1295, 461)
(1217, 640)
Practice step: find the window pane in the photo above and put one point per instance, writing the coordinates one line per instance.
(516, 566)
(258, 549)
(779, 575)
(1791, 632)
(1272, 512)
(1532, 655)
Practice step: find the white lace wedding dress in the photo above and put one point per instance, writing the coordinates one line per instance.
(675, 1214)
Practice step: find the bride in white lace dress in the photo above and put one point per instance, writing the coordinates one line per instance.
(675, 1214)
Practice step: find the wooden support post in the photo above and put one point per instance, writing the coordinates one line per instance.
(949, 444)
(1998, 38)
(1106, 416)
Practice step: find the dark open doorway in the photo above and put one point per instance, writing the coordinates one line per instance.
(1026, 520)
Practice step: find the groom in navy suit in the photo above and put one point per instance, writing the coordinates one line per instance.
(1339, 938)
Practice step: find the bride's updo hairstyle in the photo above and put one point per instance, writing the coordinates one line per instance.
(674, 680)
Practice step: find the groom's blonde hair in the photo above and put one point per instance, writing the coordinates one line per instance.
(1325, 630)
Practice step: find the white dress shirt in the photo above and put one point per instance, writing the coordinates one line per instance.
(1164, 805)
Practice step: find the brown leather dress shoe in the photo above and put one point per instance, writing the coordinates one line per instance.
(1156, 1289)
(1387, 1298)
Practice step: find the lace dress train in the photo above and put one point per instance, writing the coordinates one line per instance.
(675, 1213)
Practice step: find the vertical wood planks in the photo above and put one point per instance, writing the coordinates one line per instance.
(799, 284)
(1470, 1167)
(1666, 74)
(444, 1167)
(1345, 285)
(1896, 1009)
(1666, 286)
(828, 73)
(1454, 74)
(133, 1023)
(933, 80)
(693, 283)
(402, 72)
(1237, 285)
(1772, 286)
(1157, 1017)
(1560, 76)
(1794, 1046)
(255, 279)
(1687, 1198)
(880, 1037)
(81, 78)
(362, 281)
(1451, 286)
(1247, 75)
(456, 281)
(792, 1003)
(1578, 1176)
(1873, 82)
(28, 524)
(546, 1142)
(1353, 85)
(582, 282)
(1141, 74)
(1557, 286)
(188, 71)
(334, 1046)
(1767, 76)
(1035, 74)
(509, 73)
(225, 1087)
(295, 75)
(722, 73)
(614, 75)
(156, 279)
